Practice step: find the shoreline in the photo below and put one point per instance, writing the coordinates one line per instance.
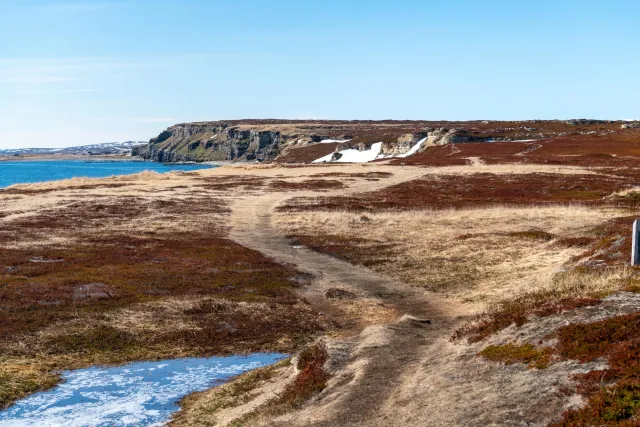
(53, 157)
(115, 166)
(114, 158)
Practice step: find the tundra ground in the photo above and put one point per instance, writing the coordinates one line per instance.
(409, 295)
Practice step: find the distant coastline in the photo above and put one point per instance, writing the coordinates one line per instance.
(40, 157)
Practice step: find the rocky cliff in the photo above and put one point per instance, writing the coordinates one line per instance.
(304, 141)
(211, 141)
(250, 140)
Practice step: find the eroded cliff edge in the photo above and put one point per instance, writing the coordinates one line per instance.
(307, 140)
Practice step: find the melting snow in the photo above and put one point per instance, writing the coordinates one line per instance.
(132, 395)
(354, 156)
(413, 149)
(329, 141)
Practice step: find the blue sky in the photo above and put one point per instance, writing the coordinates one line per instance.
(77, 72)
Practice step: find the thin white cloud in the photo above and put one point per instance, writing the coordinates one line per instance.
(84, 6)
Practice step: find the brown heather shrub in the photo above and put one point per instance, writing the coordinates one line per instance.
(471, 191)
(614, 394)
(565, 291)
(311, 380)
(533, 235)
(309, 184)
(518, 311)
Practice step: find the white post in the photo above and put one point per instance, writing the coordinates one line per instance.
(635, 243)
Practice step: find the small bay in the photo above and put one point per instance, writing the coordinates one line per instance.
(31, 171)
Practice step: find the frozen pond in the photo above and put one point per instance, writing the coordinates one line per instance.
(138, 394)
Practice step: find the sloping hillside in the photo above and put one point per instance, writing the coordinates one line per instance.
(290, 140)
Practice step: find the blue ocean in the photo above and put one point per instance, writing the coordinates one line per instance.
(22, 172)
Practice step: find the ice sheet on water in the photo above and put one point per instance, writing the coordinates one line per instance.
(136, 394)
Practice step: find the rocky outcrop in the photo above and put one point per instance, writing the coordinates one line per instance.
(432, 137)
(575, 122)
(631, 125)
(295, 140)
(209, 141)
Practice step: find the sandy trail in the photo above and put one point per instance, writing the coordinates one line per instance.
(375, 356)
(252, 227)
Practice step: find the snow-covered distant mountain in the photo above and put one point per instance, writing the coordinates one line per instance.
(92, 149)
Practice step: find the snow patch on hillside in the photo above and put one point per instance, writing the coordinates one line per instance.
(329, 141)
(413, 149)
(355, 156)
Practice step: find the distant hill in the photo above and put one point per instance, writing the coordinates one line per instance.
(302, 141)
(87, 150)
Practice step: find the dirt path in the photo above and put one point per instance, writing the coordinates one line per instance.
(378, 356)
(252, 227)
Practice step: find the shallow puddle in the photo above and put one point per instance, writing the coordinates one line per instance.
(138, 394)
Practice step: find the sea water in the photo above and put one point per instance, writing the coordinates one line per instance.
(137, 394)
(28, 171)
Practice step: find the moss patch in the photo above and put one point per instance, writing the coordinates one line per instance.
(512, 353)
(17, 382)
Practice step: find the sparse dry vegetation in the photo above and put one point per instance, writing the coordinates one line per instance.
(481, 252)
(563, 291)
(145, 267)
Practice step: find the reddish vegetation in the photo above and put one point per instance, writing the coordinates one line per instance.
(517, 312)
(366, 175)
(533, 235)
(477, 190)
(307, 154)
(222, 183)
(611, 243)
(89, 216)
(311, 380)
(618, 149)
(40, 286)
(309, 184)
(614, 394)
(571, 242)
(28, 191)
(100, 272)
(355, 250)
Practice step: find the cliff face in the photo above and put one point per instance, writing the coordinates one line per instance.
(298, 141)
(208, 141)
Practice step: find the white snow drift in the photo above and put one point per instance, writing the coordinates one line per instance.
(355, 156)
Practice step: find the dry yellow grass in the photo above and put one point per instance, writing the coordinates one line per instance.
(480, 255)
(507, 169)
(572, 285)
